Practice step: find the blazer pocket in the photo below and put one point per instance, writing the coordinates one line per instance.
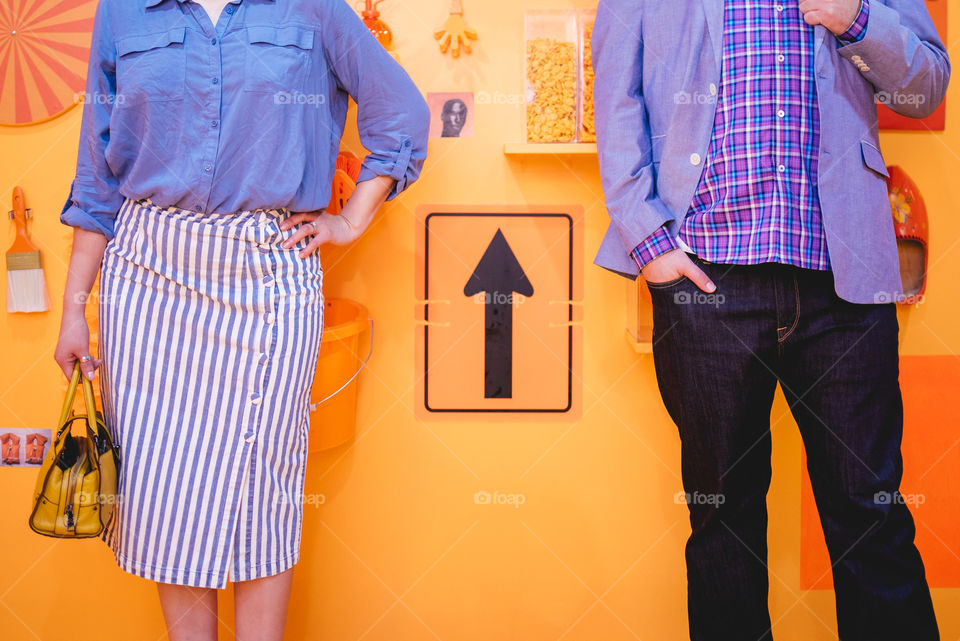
(151, 67)
(278, 59)
(873, 159)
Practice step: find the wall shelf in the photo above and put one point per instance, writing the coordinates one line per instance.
(640, 347)
(550, 148)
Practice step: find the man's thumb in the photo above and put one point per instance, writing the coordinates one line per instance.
(700, 279)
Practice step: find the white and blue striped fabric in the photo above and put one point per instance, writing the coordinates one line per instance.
(209, 335)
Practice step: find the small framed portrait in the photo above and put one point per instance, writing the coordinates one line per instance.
(451, 114)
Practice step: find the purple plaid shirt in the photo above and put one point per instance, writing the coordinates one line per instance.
(757, 200)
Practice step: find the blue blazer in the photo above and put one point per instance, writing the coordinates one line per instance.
(657, 69)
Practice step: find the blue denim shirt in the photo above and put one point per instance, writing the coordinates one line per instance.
(247, 114)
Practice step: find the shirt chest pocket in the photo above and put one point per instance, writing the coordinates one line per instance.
(151, 67)
(278, 59)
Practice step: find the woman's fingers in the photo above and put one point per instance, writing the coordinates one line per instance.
(87, 367)
(297, 218)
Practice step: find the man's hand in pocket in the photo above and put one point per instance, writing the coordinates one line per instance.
(672, 265)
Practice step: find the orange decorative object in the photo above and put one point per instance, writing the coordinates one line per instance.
(10, 448)
(35, 447)
(379, 28)
(44, 47)
(344, 181)
(455, 34)
(912, 229)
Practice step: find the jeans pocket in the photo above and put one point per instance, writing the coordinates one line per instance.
(667, 284)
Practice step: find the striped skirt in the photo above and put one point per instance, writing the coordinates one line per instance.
(209, 335)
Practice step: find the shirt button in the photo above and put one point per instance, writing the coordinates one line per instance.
(781, 113)
(781, 168)
(713, 89)
(778, 7)
(214, 123)
(213, 41)
(781, 58)
(694, 159)
(198, 207)
(216, 81)
(230, 9)
(208, 168)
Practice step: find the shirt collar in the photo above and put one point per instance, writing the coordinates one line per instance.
(153, 3)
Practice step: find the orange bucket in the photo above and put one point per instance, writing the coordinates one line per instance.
(333, 407)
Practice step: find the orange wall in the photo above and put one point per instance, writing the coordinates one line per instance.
(399, 551)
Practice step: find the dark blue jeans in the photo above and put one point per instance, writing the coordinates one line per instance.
(718, 360)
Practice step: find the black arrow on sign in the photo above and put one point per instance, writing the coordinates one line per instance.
(499, 275)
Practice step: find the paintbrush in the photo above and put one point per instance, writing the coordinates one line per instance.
(26, 286)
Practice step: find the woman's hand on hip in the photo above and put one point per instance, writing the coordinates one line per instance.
(348, 225)
(320, 228)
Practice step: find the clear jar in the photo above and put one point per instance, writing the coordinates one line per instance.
(552, 49)
(587, 129)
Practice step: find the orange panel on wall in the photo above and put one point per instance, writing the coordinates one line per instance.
(937, 120)
(931, 479)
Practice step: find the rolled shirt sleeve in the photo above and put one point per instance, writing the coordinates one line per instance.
(392, 117)
(858, 28)
(95, 198)
(657, 244)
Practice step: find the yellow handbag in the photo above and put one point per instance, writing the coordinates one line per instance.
(77, 486)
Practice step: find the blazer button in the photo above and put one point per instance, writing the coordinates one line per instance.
(713, 89)
(695, 159)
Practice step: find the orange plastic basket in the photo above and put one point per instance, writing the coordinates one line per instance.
(333, 410)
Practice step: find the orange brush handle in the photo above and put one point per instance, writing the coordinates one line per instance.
(21, 243)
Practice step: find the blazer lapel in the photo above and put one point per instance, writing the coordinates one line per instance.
(819, 33)
(714, 13)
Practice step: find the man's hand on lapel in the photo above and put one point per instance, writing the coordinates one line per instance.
(835, 15)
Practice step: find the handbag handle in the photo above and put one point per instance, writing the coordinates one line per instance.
(88, 399)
